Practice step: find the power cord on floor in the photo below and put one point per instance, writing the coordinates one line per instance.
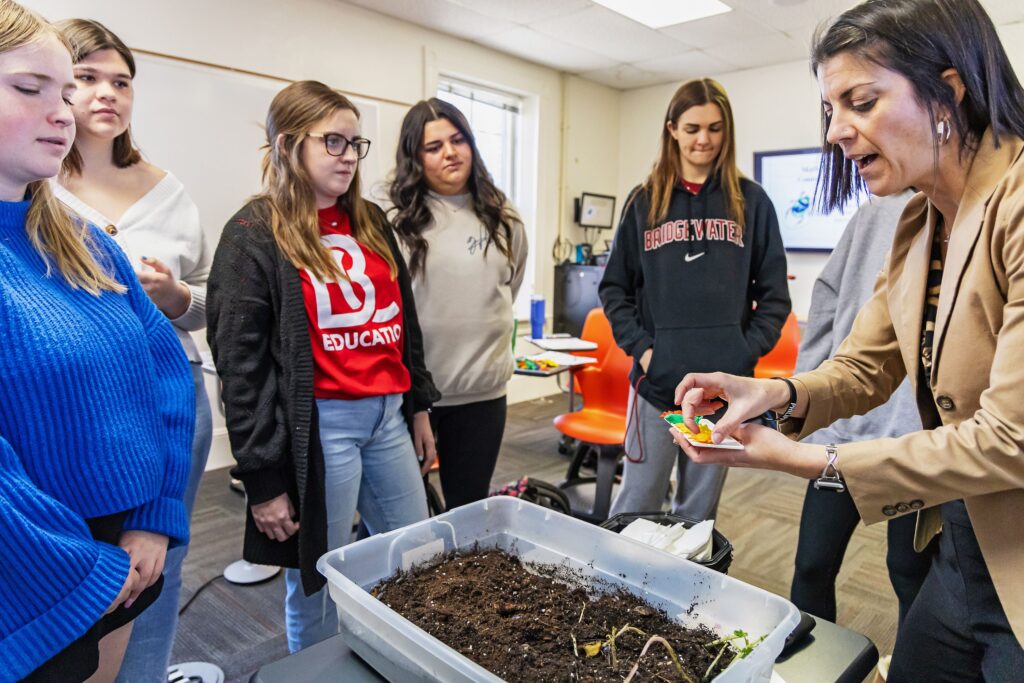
(196, 594)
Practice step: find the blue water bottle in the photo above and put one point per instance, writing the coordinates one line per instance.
(537, 316)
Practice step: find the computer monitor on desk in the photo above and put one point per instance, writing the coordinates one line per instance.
(575, 295)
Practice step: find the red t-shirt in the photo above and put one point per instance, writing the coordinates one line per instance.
(355, 326)
(692, 188)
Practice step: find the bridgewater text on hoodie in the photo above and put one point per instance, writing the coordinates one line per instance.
(704, 294)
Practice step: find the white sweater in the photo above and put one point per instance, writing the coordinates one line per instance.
(464, 303)
(163, 224)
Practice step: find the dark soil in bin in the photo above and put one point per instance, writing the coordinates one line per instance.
(521, 625)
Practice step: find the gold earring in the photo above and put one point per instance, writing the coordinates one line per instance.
(943, 131)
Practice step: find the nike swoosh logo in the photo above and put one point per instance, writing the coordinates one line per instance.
(692, 257)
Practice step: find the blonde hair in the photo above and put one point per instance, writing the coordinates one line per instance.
(287, 189)
(668, 169)
(62, 242)
(85, 37)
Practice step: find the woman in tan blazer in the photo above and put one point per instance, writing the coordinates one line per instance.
(920, 93)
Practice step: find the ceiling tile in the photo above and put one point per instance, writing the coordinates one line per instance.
(528, 44)
(524, 11)
(605, 32)
(681, 67)
(440, 15)
(794, 18)
(625, 77)
(721, 28)
(773, 48)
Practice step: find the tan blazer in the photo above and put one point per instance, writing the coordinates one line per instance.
(977, 373)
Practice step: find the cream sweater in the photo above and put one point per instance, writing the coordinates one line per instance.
(464, 303)
(163, 224)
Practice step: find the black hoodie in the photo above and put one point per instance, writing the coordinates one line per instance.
(689, 287)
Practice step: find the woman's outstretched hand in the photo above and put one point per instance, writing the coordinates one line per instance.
(763, 448)
(704, 393)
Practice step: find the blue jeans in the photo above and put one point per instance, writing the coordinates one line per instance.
(369, 466)
(149, 650)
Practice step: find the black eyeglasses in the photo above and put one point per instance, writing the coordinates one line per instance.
(336, 144)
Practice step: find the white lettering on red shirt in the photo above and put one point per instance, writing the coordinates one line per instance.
(355, 324)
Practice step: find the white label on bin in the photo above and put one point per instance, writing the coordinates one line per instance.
(424, 552)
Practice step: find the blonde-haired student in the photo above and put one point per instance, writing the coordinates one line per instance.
(93, 461)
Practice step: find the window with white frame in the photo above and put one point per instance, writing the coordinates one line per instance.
(494, 117)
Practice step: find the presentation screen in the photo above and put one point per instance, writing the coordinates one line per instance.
(790, 177)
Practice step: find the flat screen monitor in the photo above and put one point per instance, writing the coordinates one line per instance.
(596, 211)
(790, 177)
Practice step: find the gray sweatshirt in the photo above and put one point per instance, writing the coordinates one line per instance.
(844, 286)
(464, 303)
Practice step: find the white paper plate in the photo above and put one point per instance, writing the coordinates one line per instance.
(730, 444)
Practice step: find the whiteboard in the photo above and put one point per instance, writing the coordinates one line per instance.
(205, 125)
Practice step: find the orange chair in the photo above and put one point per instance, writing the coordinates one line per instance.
(597, 329)
(600, 426)
(781, 360)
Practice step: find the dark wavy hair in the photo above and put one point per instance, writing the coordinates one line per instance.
(920, 39)
(408, 190)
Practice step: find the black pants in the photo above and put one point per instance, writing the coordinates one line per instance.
(468, 441)
(826, 525)
(957, 629)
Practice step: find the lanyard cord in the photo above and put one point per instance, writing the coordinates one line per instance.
(633, 417)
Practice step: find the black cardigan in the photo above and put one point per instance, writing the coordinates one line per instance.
(258, 332)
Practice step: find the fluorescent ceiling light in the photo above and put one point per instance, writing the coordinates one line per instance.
(662, 13)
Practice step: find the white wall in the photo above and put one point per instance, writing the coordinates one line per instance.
(591, 157)
(394, 64)
(776, 107)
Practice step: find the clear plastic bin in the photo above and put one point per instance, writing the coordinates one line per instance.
(401, 651)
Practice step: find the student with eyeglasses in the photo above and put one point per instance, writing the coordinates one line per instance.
(315, 337)
(466, 249)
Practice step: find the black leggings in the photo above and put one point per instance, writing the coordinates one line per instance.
(468, 441)
(826, 525)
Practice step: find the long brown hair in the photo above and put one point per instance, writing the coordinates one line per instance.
(287, 189)
(61, 242)
(668, 169)
(408, 190)
(86, 37)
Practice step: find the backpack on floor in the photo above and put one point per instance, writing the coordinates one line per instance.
(537, 491)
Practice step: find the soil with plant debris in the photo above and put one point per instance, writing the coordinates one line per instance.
(531, 626)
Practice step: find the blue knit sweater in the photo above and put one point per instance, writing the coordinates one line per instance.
(96, 417)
